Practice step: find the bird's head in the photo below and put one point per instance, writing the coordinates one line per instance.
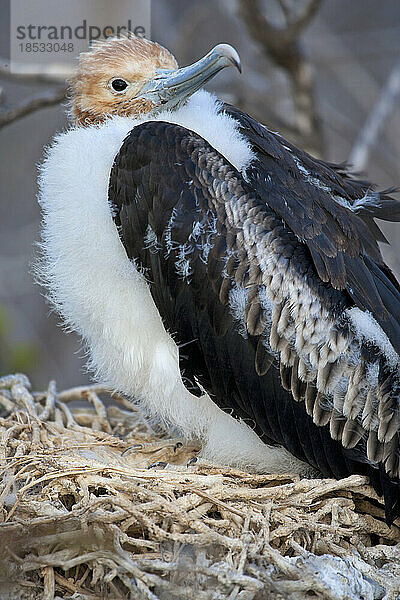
(132, 76)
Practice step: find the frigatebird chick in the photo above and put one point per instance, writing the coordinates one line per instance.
(224, 279)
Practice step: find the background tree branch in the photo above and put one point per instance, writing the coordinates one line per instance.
(361, 149)
(5, 73)
(282, 46)
(43, 100)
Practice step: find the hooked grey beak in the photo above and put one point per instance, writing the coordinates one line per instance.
(169, 89)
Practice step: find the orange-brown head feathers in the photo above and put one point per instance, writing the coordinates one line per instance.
(132, 76)
(110, 76)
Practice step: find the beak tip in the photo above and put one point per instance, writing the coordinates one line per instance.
(229, 52)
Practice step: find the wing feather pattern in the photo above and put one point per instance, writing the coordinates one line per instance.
(272, 284)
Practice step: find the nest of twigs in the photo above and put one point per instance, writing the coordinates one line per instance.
(81, 519)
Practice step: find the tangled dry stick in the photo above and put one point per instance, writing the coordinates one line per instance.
(80, 519)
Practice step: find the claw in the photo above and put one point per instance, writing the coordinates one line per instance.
(191, 461)
(159, 463)
(177, 445)
(134, 447)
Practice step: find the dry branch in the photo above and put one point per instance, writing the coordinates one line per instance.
(48, 98)
(6, 73)
(360, 152)
(78, 515)
(282, 46)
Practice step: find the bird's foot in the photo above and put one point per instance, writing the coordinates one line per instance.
(160, 464)
(174, 451)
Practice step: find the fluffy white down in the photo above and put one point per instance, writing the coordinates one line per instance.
(103, 296)
(369, 330)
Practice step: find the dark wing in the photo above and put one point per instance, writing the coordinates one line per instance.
(265, 334)
(333, 214)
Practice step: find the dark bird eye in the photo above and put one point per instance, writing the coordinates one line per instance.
(119, 85)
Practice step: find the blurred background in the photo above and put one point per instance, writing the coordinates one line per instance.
(324, 73)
